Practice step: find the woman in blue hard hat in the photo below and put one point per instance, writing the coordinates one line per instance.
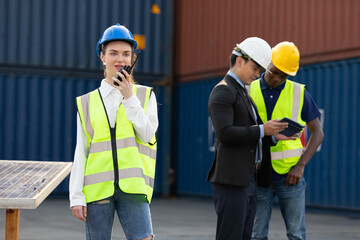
(114, 162)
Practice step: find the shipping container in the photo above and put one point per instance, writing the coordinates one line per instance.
(38, 119)
(63, 34)
(333, 174)
(49, 57)
(207, 31)
(193, 138)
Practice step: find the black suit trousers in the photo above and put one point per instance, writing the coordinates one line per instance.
(235, 208)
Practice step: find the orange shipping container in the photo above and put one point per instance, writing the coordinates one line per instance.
(206, 31)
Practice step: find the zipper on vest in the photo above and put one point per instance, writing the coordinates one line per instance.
(114, 154)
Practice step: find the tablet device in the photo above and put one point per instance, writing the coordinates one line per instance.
(293, 127)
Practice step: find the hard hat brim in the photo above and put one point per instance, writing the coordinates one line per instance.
(284, 70)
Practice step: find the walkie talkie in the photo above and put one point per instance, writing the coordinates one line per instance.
(127, 68)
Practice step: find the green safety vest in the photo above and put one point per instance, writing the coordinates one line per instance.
(285, 154)
(121, 149)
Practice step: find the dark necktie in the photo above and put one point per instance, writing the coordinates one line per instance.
(248, 97)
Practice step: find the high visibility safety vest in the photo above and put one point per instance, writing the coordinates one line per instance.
(117, 154)
(285, 154)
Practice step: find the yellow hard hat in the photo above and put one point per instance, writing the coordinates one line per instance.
(285, 57)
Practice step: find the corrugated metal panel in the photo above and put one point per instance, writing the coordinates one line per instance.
(161, 140)
(333, 175)
(193, 158)
(161, 155)
(63, 34)
(38, 119)
(206, 31)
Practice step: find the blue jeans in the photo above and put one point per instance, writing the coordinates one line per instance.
(133, 212)
(292, 206)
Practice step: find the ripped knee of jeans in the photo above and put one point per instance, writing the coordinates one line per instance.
(151, 237)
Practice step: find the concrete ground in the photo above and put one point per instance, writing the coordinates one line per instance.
(173, 219)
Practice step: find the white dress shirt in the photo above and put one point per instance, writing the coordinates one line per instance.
(145, 126)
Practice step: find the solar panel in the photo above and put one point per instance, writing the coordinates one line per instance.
(25, 184)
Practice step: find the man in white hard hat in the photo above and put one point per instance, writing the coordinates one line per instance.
(242, 141)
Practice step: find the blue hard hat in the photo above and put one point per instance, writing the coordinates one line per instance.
(115, 33)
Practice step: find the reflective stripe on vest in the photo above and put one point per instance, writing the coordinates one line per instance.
(136, 160)
(296, 102)
(123, 173)
(285, 154)
(121, 144)
(85, 100)
(141, 95)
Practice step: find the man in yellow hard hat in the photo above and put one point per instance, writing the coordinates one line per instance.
(277, 97)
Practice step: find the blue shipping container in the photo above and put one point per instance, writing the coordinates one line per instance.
(193, 153)
(63, 34)
(333, 174)
(49, 57)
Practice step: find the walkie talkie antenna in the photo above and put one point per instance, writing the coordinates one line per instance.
(137, 57)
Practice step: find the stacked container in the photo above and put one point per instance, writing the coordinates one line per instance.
(328, 37)
(48, 57)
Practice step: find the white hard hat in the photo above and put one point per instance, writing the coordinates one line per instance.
(256, 49)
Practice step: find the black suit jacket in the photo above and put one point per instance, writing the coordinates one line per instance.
(236, 137)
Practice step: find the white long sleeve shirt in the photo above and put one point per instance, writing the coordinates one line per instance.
(145, 126)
